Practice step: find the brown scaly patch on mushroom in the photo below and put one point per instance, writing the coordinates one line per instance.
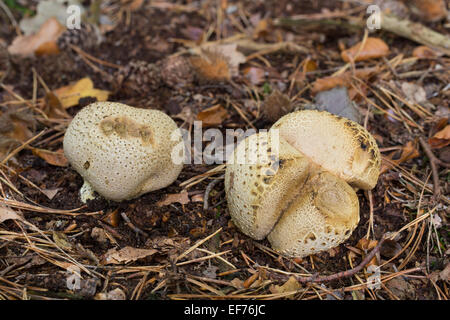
(303, 200)
(125, 127)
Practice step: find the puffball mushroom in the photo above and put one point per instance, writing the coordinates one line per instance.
(122, 152)
(300, 191)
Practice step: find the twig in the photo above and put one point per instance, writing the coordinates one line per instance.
(132, 226)
(10, 16)
(416, 32)
(347, 273)
(434, 169)
(208, 191)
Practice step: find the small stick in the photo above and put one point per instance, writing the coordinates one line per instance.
(208, 191)
(347, 273)
(132, 226)
(434, 169)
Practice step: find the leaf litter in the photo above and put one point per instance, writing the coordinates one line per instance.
(230, 68)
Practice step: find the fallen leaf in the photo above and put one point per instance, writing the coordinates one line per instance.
(309, 65)
(125, 255)
(366, 245)
(54, 158)
(441, 139)
(182, 198)
(408, 152)
(373, 48)
(424, 52)
(51, 193)
(112, 218)
(429, 10)
(290, 285)
(445, 274)
(40, 41)
(402, 288)
(16, 127)
(249, 281)
(212, 116)
(70, 95)
(54, 108)
(237, 283)
(8, 214)
(342, 80)
(255, 75)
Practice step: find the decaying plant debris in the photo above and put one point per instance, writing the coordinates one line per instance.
(228, 64)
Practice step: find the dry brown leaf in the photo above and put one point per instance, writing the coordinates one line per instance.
(70, 95)
(367, 245)
(290, 285)
(8, 214)
(54, 158)
(429, 10)
(212, 116)
(408, 152)
(112, 218)
(343, 80)
(424, 52)
(373, 48)
(47, 48)
(51, 193)
(54, 108)
(125, 255)
(182, 198)
(44, 41)
(255, 75)
(441, 138)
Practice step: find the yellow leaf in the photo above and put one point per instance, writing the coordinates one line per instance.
(70, 95)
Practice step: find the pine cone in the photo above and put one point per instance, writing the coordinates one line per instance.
(139, 77)
(86, 37)
(176, 71)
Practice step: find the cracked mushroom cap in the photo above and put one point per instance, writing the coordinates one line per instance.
(300, 205)
(340, 146)
(122, 152)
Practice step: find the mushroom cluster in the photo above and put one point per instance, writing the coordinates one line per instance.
(300, 191)
(122, 152)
